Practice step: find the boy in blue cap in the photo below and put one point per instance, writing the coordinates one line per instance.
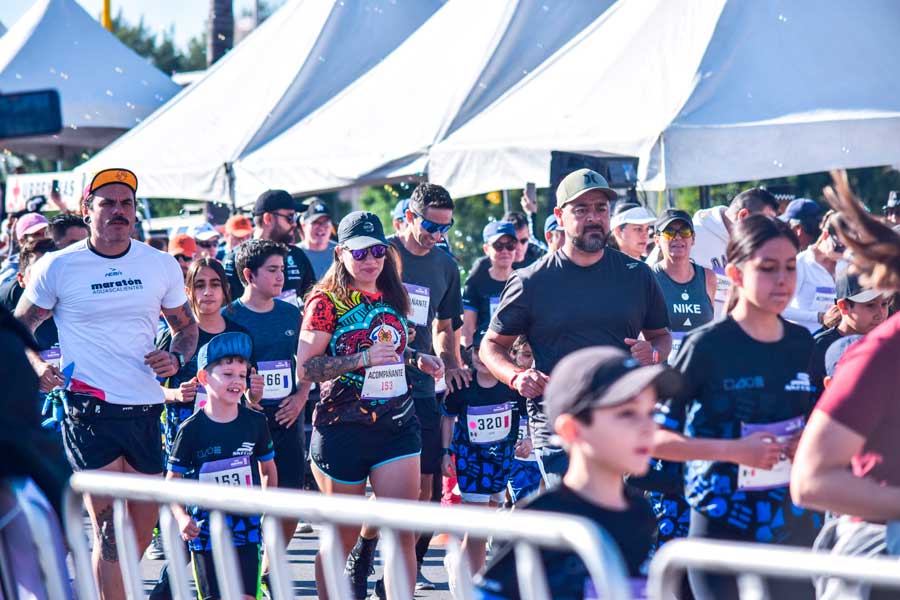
(223, 443)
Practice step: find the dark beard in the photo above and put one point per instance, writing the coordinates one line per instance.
(590, 244)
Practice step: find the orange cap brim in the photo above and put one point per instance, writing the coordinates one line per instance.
(107, 176)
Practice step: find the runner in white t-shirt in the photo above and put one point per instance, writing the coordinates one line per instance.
(105, 294)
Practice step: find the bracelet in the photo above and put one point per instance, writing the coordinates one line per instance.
(365, 354)
(512, 382)
(655, 358)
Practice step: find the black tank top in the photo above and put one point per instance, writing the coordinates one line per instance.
(688, 303)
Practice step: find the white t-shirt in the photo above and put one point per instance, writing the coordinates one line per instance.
(709, 250)
(814, 293)
(107, 312)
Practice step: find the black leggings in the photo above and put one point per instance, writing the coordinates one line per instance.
(709, 586)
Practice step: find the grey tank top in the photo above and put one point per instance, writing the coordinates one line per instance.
(688, 303)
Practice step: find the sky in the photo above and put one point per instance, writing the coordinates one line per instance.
(187, 16)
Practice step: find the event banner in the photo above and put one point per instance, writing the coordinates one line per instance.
(22, 188)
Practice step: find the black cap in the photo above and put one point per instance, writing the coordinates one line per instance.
(360, 230)
(848, 287)
(602, 376)
(673, 214)
(272, 200)
(316, 209)
(802, 209)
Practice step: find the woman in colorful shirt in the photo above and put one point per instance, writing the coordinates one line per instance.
(353, 342)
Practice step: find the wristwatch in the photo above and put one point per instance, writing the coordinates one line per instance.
(179, 357)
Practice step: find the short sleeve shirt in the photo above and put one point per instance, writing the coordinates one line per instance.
(224, 454)
(299, 276)
(106, 310)
(355, 323)
(481, 295)
(864, 397)
(562, 307)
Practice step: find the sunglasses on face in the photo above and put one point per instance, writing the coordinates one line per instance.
(671, 234)
(432, 227)
(378, 251)
(209, 244)
(183, 258)
(292, 218)
(500, 246)
(523, 241)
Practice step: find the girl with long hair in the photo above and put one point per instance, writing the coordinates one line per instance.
(353, 341)
(744, 403)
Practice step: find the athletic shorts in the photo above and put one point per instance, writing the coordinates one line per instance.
(348, 452)
(205, 572)
(429, 417)
(480, 471)
(95, 433)
(524, 479)
(289, 450)
(473, 498)
(553, 463)
(176, 414)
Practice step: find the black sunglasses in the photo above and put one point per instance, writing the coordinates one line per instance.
(500, 246)
(377, 251)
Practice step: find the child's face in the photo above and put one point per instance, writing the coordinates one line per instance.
(227, 381)
(620, 438)
(524, 358)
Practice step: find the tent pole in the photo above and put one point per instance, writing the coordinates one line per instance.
(704, 196)
(232, 200)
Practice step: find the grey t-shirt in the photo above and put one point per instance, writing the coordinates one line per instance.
(432, 280)
(321, 259)
(561, 307)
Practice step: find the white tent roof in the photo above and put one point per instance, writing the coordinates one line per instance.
(105, 88)
(294, 62)
(702, 91)
(384, 124)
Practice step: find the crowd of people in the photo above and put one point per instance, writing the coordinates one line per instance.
(727, 375)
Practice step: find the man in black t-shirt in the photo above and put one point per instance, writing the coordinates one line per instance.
(601, 404)
(582, 295)
(275, 219)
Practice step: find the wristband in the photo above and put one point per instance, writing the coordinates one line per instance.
(655, 359)
(365, 359)
(446, 452)
(512, 382)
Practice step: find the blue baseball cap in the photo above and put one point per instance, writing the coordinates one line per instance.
(495, 230)
(223, 345)
(399, 212)
(801, 209)
(836, 351)
(551, 224)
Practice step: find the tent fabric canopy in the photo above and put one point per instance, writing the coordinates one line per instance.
(104, 87)
(702, 92)
(297, 60)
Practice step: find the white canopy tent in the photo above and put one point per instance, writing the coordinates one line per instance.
(702, 91)
(383, 125)
(298, 59)
(104, 87)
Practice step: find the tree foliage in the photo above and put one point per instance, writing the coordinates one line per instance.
(161, 49)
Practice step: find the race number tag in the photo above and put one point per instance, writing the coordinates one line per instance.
(489, 424)
(276, 376)
(440, 385)
(495, 302)
(385, 381)
(677, 338)
(824, 299)
(228, 471)
(523, 435)
(52, 356)
(289, 296)
(201, 398)
(753, 479)
(420, 298)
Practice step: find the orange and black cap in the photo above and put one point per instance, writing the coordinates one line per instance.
(108, 176)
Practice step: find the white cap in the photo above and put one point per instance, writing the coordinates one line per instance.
(635, 216)
(203, 232)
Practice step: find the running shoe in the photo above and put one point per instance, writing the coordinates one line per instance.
(360, 565)
(303, 527)
(423, 584)
(155, 550)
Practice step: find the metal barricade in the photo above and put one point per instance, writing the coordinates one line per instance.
(529, 530)
(750, 563)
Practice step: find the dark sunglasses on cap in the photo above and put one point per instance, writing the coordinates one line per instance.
(671, 234)
(432, 227)
(500, 246)
(377, 251)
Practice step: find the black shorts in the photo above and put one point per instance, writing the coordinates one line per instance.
(205, 572)
(348, 452)
(429, 416)
(95, 433)
(289, 445)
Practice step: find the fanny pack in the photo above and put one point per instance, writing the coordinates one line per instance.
(84, 406)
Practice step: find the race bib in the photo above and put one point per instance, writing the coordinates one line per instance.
(495, 302)
(419, 298)
(753, 479)
(385, 381)
(200, 399)
(236, 470)
(523, 435)
(677, 338)
(277, 381)
(289, 296)
(489, 424)
(52, 356)
(824, 299)
(723, 286)
(440, 385)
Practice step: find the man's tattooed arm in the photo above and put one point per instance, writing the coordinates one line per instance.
(185, 332)
(324, 368)
(31, 315)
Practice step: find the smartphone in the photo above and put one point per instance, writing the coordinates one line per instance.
(531, 190)
(54, 187)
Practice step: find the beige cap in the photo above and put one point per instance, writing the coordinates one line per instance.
(578, 182)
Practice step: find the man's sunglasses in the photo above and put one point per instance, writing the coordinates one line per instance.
(294, 219)
(183, 258)
(682, 233)
(209, 244)
(377, 251)
(432, 227)
(500, 246)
